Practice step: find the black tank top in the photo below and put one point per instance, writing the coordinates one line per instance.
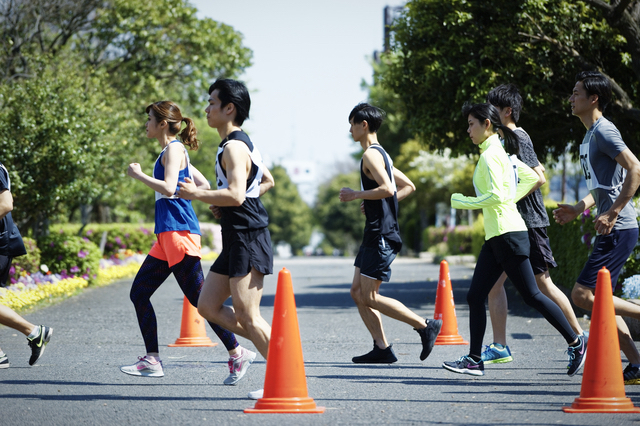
(381, 215)
(251, 215)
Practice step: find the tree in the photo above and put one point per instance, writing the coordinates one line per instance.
(290, 218)
(75, 78)
(341, 223)
(448, 52)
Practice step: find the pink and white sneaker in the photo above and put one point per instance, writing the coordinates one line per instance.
(144, 367)
(238, 366)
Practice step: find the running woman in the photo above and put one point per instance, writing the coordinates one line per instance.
(506, 248)
(612, 173)
(509, 103)
(381, 241)
(177, 249)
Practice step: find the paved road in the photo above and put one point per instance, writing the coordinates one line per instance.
(78, 381)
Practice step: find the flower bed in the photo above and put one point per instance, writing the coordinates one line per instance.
(38, 288)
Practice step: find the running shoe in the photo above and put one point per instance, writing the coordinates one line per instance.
(38, 343)
(238, 366)
(144, 367)
(256, 394)
(631, 375)
(577, 355)
(376, 356)
(428, 336)
(465, 365)
(4, 361)
(496, 354)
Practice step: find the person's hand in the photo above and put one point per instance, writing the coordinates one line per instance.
(565, 213)
(604, 222)
(187, 189)
(217, 213)
(362, 207)
(347, 194)
(134, 170)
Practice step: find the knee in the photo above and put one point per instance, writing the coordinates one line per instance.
(244, 319)
(205, 311)
(582, 298)
(355, 295)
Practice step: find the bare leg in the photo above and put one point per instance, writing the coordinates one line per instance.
(549, 289)
(11, 319)
(584, 296)
(370, 317)
(215, 291)
(498, 307)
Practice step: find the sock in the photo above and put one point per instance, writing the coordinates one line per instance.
(34, 333)
(498, 345)
(153, 358)
(2, 353)
(239, 354)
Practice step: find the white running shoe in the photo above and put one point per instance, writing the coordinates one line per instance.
(256, 394)
(144, 367)
(238, 366)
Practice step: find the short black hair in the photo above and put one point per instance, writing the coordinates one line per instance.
(596, 84)
(236, 93)
(506, 96)
(374, 116)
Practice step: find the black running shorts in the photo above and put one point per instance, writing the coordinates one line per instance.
(243, 250)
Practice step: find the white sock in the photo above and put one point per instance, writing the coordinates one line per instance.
(34, 333)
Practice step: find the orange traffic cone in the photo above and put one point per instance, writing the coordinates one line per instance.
(192, 331)
(602, 388)
(285, 383)
(446, 310)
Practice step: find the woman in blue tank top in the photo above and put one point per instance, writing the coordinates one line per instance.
(177, 249)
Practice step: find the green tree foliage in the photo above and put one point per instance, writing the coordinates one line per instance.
(290, 218)
(447, 52)
(342, 223)
(75, 79)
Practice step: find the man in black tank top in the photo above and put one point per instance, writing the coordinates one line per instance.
(246, 255)
(381, 241)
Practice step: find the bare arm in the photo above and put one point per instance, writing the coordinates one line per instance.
(199, 179)
(374, 163)
(539, 169)
(267, 181)
(173, 156)
(6, 203)
(404, 184)
(565, 213)
(236, 162)
(606, 220)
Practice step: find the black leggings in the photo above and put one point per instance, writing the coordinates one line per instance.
(488, 270)
(151, 275)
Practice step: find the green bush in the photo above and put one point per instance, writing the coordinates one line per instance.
(459, 240)
(120, 236)
(571, 246)
(70, 255)
(28, 263)
(433, 236)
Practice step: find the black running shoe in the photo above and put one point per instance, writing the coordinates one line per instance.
(577, 355)
(428, 336)
(465, 365)
(38, 343)
(376, 356)
(631, 375)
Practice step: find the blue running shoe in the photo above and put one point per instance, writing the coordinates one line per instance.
(577, 356)
(496, 354)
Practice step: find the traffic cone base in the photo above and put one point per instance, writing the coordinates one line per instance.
(446, 310)
(602, 389)
(285, 382)
(285, 405)
(601, 405)
(192, 330)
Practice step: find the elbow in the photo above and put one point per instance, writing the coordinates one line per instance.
(541, 181)
(238, 201)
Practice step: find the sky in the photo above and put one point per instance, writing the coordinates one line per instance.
(309, 60)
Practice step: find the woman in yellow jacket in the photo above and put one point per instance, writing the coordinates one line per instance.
(500, 181)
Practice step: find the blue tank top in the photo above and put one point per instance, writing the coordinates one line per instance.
(173, 213)
(381, 215)
(251, 215)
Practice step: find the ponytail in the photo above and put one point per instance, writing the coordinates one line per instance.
(188, 135)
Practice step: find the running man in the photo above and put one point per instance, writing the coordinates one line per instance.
(246, 255)
(509, 103)
(11, 246)
(381, 242)
(612, 173)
